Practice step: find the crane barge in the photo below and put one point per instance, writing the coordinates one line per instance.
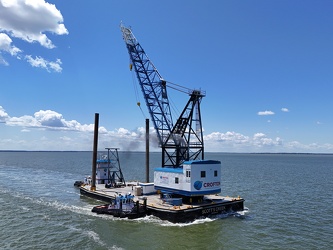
(186, 186)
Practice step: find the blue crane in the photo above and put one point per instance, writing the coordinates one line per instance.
(182, 141)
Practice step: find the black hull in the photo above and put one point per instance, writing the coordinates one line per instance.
(191, 214)
(96, 196)
(134, 214)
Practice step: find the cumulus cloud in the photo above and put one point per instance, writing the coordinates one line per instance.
(261, 140)
(295, 146)
(3, 115)
(40, 62)
(239, 142)
(6, 45)
(76, 136)
(48, 119)
(30, 20)
(72, 134)
(285, 110)
(233, 137)
(52, 120)
(266, 112)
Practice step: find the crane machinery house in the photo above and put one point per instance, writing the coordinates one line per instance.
(195, 178)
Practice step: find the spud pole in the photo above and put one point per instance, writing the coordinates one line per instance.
(94, 161)
(147, 150)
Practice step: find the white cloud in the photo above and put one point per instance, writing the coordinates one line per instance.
(66, 138)
(6, 45)
(238, 142)
(55, 66)
(227, 137)
(267, 112)
(40, 62)
(295, 146)
(261, 140)
(3, 61)
(30, 20)
(23, 121)
(3, 115)
(72, 135)
(285, 110)
(48, 119)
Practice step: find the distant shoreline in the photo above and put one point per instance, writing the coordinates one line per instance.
(155, 152)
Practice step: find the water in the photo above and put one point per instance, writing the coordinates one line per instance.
(288, 196)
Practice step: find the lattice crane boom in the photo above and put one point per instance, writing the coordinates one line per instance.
(152, 85)
(182, 141)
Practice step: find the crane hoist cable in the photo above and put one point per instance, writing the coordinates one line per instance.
(136, 91)
(179, 88)
(173, 107)
(139, 104)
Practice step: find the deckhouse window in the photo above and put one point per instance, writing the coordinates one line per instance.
(215, 173)
(203, 174)
(176, 180)
(188, 173)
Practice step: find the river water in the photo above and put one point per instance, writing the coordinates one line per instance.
(288, 198)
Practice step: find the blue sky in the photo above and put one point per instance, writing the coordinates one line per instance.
(266, 67)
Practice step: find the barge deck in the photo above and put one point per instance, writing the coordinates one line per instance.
(208, 205)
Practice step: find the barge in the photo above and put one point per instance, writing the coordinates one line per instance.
(178, 195)
(166, 207)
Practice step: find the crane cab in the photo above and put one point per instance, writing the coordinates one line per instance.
(194, 178)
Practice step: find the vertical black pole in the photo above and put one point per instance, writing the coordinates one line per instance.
(147, 150)
(145, 203)
(94, 161)
(137, 207)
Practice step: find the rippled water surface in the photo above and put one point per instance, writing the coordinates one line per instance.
(288, 196)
